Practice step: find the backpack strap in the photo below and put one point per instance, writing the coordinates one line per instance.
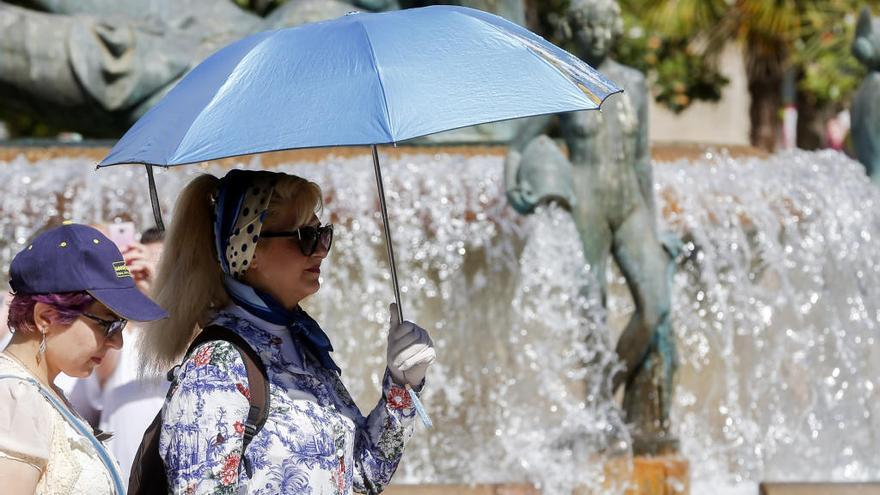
(258, 382)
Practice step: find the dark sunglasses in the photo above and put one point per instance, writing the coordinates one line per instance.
(111, 327)
(307, 237)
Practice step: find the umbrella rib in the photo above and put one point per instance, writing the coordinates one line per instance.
(388, 126)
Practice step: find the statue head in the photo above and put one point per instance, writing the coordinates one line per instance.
(866, 44)
(594, 26)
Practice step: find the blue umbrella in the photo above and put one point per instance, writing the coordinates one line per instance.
(361, 79)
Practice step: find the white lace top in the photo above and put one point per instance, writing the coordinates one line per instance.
(34, 432)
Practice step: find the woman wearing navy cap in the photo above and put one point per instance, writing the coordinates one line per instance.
(73, 295)
(241, 254)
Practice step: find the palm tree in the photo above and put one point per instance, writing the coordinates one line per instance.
(768, 30)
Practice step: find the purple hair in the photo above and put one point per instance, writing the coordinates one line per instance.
(68, 307)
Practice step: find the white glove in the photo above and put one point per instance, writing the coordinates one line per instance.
(410, 351)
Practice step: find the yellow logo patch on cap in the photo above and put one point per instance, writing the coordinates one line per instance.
(121, 270)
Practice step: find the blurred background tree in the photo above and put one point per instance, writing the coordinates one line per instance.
(827, 73)
(678, 44)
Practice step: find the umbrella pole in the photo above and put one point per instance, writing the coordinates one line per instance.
(384, 210)
(154, 198)
(414, 397)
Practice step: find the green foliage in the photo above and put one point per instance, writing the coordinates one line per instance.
(679, 76)
(829, 73)
(814, 36)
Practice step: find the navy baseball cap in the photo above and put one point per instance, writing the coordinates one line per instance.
(76, 258)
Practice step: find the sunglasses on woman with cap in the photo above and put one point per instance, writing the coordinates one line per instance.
(307, 237)
(111, 327)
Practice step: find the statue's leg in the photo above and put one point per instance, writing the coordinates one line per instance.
(646, 346)
(596, 237)
(595, 234)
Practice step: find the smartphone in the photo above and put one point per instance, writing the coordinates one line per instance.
(122, 234)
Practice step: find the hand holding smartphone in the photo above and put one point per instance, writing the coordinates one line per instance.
(122, 234)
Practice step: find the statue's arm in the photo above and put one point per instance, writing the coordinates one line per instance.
(52, 63)
(34, 60)
(207, 19)
(530, 129)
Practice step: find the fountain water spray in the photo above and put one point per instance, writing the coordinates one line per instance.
(776, 309)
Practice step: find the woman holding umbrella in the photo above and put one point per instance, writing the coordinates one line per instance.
(241, 253)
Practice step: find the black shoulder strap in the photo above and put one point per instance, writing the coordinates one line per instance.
(258, 382)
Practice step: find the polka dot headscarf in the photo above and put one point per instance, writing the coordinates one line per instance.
(242, 203)
(240, 248)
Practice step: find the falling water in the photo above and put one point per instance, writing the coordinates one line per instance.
(777, 305)
(776, 308)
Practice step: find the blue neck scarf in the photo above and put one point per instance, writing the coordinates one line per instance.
(301, 326)
(228, 207)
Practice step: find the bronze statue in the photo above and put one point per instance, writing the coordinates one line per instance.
(606, 184)
(96, 66)
(865, 109)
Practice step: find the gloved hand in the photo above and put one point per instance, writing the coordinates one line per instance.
(410, 351)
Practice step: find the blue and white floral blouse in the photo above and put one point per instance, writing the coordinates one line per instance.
(315, 440)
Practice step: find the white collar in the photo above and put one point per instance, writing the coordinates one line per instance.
(293, 354)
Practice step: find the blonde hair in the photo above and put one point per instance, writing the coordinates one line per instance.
(189, 283)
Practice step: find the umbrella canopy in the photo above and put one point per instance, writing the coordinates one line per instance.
(361, 79)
